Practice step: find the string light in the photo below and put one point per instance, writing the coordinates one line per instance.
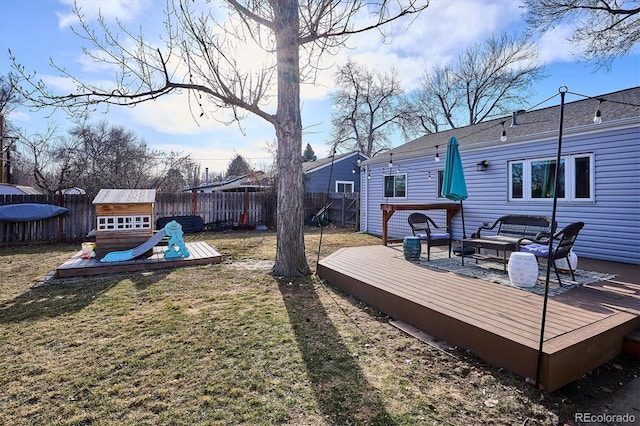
(503, 138)
(437, 157)
(390, 161)
(597, 118)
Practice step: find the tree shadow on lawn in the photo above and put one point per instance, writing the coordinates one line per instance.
(341, 388)
(62, 297)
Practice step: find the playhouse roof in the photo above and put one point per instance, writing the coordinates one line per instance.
(125, 196)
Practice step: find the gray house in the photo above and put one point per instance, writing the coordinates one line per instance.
(507, 164)
(343, 172)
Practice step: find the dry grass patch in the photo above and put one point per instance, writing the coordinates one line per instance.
(225, 345)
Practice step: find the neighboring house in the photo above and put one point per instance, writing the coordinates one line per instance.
(343, 169)
(9, 189)
(600, 165)
(253, 182)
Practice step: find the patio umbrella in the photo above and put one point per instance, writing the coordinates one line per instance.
(453, 185)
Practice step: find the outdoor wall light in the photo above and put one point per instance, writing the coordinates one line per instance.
(483, 166)
(503, 138)
(597, 118)
(437, 157)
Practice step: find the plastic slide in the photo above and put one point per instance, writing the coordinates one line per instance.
(120, 256)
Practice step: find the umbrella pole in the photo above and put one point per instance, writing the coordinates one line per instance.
(464, 233)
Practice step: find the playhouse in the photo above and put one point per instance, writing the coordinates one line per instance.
(124, 218)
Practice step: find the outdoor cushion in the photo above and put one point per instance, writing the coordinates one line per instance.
(537, 249)
(441, 236)
(434, 236)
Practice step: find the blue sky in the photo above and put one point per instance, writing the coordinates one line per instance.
(36, 30)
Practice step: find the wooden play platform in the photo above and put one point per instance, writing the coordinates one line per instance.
(585, 327)
(201, 253)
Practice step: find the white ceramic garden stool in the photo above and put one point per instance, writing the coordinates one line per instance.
(561, 264)
(523, 269)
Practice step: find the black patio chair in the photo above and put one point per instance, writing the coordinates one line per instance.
(563, 241)
(426, 229)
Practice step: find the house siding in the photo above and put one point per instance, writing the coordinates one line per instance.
(342, 170)
(612, 230)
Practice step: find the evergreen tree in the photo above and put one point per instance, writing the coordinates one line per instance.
(238, 166)
(308, 154)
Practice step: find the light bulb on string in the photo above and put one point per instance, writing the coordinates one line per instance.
(597, 118)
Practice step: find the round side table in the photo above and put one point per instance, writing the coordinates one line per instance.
(523, 269)
(561, 264)
(412, 248)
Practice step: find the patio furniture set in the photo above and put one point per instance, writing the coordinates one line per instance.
(526, 237)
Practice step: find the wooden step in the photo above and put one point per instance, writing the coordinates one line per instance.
(631, 343)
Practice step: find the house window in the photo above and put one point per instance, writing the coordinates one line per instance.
(395, 186)
(344, 186)
(533, 180)
(440, 174)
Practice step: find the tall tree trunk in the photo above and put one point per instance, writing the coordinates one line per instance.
(290, 255)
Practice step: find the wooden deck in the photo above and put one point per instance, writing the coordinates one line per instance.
(201, 254)
(584, 326)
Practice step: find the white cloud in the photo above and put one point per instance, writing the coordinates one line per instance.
(217, 157)
(19, 116)
(554, 46)
(433, 39)
(124, 10)
(171, 115)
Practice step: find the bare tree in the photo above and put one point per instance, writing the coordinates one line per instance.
(9, 96)
(439, 96)
(603, 29)
(96, 156)
(368, 106)
(107, 156)
(490, 78)
(50, 160)
(201, 57)
(9, 99)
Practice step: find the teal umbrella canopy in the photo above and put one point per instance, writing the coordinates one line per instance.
(453, 185)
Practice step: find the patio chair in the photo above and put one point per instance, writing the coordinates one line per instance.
(425, 228)
(563, 241)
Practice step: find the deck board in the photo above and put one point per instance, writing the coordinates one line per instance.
(487, 317)
(200, 252)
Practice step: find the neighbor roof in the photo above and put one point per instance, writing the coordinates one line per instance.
(10, 189)
(614, 106)
(312, 166)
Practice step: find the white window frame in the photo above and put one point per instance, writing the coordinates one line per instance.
(384, 181)
(569, 178)
(123, 223)
(345, 183)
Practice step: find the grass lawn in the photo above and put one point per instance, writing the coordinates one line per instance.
(231, 344)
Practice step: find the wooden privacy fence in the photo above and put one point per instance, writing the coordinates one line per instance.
(344, 210)
(219, 210)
